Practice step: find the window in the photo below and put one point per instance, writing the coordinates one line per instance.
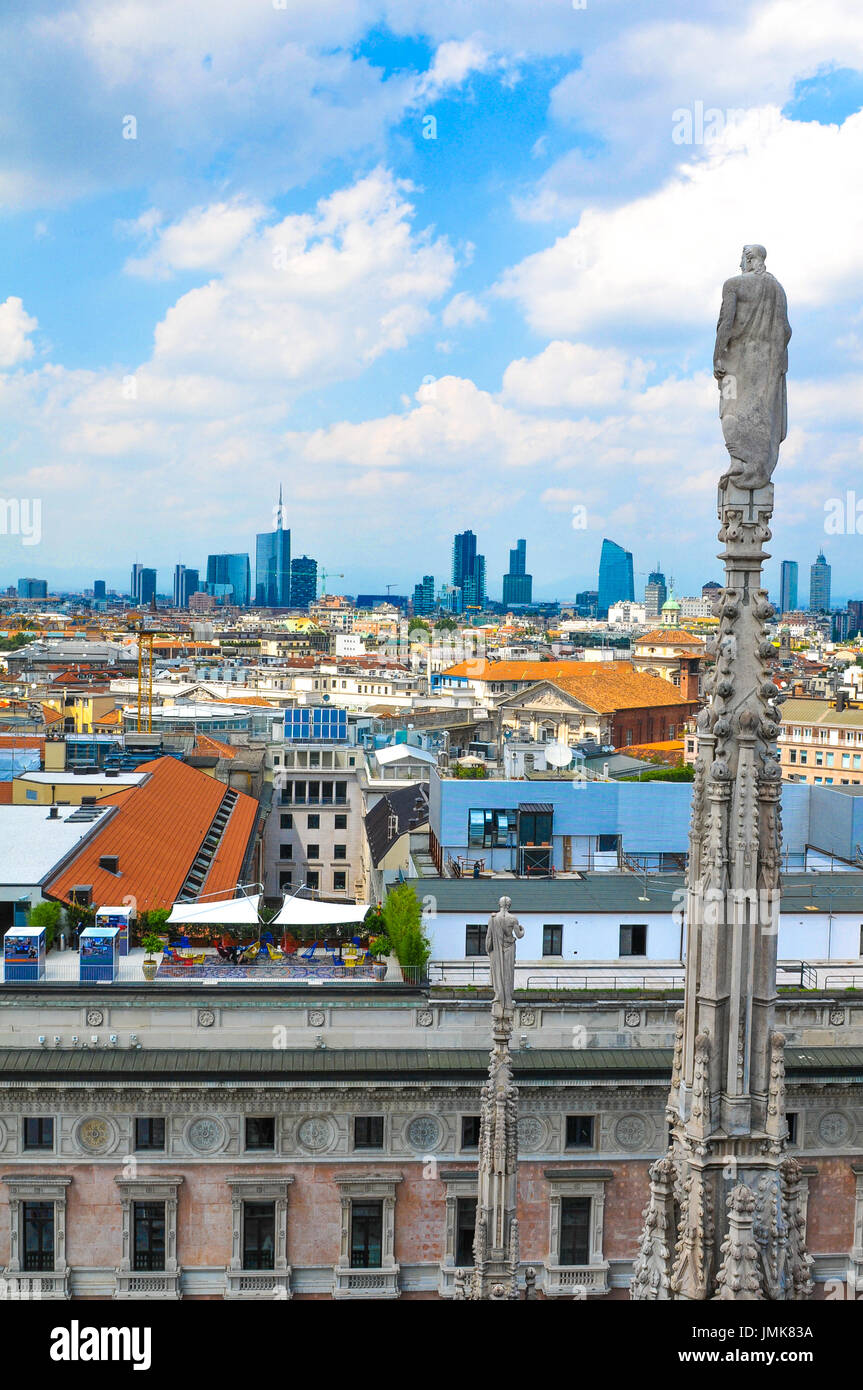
(366, 1234)
(341, 792)
(368, 1132)
(312, 878)
(38, 1232)
(534, 828)
(491, 829)
(552, 941)
(804, 756)
(286, 879)
(314, 793)
(579, 1131)
(574, 1231)
(38, 1132)
(150, 1133)
(149, 1235)
(286, 821)
(339, 881)
(315, 758)
(792, 756)
(474, 940)
(260, 1132)
(299, 792)
(340, 851)
(285, 850)
(313, 851)
(633, 940)
(819, 758)
(470, 1131)
(791, 1121)
(465, 1227)
(259, 1235)
(313, 821)
(607, 844)
(340, 821)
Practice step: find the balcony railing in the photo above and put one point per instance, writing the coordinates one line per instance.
(366, 1283)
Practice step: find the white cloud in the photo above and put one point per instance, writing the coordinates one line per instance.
(463, 308)
(203, 239)
(15, 327)
(572, 376)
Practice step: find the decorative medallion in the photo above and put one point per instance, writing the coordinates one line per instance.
(94, 1134)
(95, 1017)
(632, 1018)
(531, 1134)
(424, 1133)
(631, 1132)
(834, 1128)
(527, 1018)
(425, 1018)
(316, 1018)
(206, 1018)
(837, 1016)
(206, 1134)
(316, 1133)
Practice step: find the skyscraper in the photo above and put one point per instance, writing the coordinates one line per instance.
(468, 570)
(304, 581)
(148, 587)
(788, 587)
(185, 584)
(98, 590)
(32, 588)
(424, 596)
(655, 594)
(615, 577)
(517, 584)
(819, 585)
(135, 583)
(273, 564)
(232, 571)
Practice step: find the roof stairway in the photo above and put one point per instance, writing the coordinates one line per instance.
(203, 860)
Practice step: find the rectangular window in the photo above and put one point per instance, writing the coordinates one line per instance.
(368, 1131)
(366, 1234)
(579, 1131)
(474, 940)
(552, 941)
(286, 850)
(574, 1231)
(792, 756)
(315, 758)
(286, 879)
(341, 792)
(260, 1132)
(314, 793)
(607, 844)
(465, 1228)
(804, 756)
(340, 822)
(313, 851)
(470, 1131)
(340, 851)
(299, 791)
(819, 759)
(38, 1235)
(259, 1235)
(313, 821)
(534, 828)
(38, 1132)
(286, 821)
(339, 881)
(791, 1120)
(148, 1235)
(150, 1133)
(312, 879)
(633, 940)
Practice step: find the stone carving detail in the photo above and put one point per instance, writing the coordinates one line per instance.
(631, 1132)
(632, 1018)
(206, 1134)
(532, 1134)
(651, 1273)
(206, 1018)
(503, 931)
(94, 1134)
(799, 1263)
(316, 1018)
(424, 1018)
(834, 1129)
(837, 1017)
(527, 1018)
(317, 1133)
(424, 1134)
(95, 1018)
(738, 1276)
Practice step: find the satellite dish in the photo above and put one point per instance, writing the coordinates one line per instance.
(558, 755)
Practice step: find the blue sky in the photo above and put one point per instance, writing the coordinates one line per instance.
(282, 279)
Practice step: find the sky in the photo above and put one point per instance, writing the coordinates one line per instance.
(427, 267)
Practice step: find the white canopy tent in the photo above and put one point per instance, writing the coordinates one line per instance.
(303, 912)
(230, 912)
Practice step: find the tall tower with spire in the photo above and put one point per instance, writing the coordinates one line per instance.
(273, 563)
(724, 1218)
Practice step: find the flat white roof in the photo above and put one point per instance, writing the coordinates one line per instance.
(32, 843)
(70, 779)
(403, 752)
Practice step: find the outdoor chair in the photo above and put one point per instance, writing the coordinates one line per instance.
(310, 953)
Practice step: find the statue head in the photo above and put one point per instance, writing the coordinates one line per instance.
(753, 258)
(506, 903)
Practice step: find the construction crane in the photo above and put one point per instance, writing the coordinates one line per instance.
(324, 576)
(145, 677)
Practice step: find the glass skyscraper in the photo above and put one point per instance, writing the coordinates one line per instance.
(424, 596)
(304, 581)
(819, 586)
(615, 577)
(185, 584)
(273, 565)
(517, 583)
(468, 570)
(655, 594)
(788, 587)
(231, 578)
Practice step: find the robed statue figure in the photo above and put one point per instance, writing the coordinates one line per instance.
(749, 362)
(503, 928)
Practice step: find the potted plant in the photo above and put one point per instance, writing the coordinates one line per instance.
(380, 947)
(152, 945)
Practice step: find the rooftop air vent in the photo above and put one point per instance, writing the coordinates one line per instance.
(110, 862)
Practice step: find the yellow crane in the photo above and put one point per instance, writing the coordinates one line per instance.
(145, 678)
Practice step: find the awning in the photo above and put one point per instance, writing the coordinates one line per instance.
(304, 912)
(536, 808)
(230, 911)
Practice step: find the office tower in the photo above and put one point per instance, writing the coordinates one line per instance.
(468, 570)
(517, 583)
(655, 594)
(855, 616)
(231, 578)
(615, 577)
(840, 625)
(185, 584)
(424, 596)
(32, 588)
(585, 602)
(304, 581)
(788, 587)
(135, 583)
(273, 564)
(148, 586)
(819, 585)
(98, 590)
(711, 590)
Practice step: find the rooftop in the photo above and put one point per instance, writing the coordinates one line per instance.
(33, 844)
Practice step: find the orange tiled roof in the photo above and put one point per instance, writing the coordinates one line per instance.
(111, 716)
(247, 700)
(205, 744)
(608, 686)
(670, 637)
(511, 670)
(156, 830)
(51, 715)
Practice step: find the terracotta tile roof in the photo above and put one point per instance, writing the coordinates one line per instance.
(607, 686)
(247, 700)
(670, 637)
(111, 716)
(156, 830)
(205, 744)
(5, 793)
(51, 715)
(506, 671)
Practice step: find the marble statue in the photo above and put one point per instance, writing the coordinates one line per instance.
(750, 360)
(503, 928)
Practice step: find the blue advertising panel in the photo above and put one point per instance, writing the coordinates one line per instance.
(24, 953)
(99, 953)
(119, 917)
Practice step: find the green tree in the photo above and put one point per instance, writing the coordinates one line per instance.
(402, 916)
(46, 915)
(446, 624)
(417, 624)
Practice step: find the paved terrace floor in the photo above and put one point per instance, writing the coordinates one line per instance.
(62, 967)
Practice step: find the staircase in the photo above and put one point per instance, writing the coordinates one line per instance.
(203, 860)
